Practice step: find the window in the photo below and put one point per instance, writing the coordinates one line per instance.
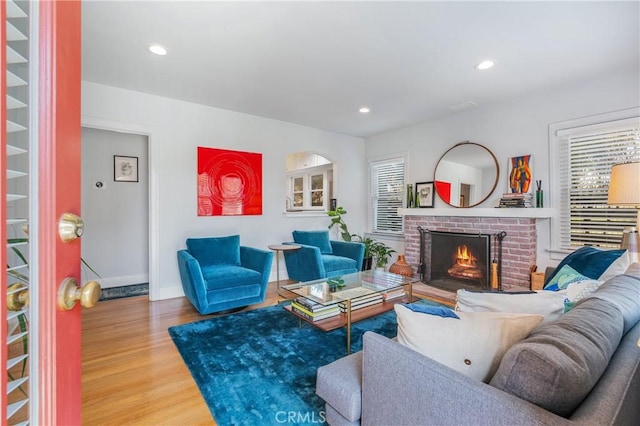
(386, 183)
(308, 188)
(585, 155)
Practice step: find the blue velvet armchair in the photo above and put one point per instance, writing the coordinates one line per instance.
(320, 257)
(218, 274)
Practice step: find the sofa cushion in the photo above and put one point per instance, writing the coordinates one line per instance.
(565, 276)
(318, 239)
(622, 291)
(590, 262)
(549, 304)
(215, 250)
(559, 363)
(340, 385)
(472, 345)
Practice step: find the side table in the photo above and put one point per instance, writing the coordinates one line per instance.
(281, 248)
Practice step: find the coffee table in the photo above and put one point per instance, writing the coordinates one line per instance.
(353, 286)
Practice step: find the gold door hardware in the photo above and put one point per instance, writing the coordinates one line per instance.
(69, 293)
(70, 227)
(17, 296)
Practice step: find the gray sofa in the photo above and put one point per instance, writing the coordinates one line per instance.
(585, 366)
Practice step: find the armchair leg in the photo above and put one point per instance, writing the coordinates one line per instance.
(229, 311)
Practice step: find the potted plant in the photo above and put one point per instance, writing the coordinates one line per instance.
(367, 260)
(336, 219)
(381, 253)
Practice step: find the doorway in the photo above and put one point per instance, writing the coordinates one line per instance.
(115, 209)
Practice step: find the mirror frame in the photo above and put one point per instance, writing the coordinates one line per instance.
(495, 183)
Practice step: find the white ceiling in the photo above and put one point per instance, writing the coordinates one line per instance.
(317, 63)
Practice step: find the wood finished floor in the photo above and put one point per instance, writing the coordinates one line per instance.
(132, 374)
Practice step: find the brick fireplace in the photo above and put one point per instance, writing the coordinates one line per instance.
(518, 247)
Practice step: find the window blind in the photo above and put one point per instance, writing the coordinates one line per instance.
(586, 158)
(386, 183)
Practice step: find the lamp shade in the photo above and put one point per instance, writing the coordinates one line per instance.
(624, 186)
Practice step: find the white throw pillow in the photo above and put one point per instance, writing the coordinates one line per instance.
(472, 345)
(549, 304)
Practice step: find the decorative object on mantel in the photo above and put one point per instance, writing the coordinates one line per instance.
(520, 176)
(401, 267)
(424, 194)
(625, 191)
(466, 175)
(539, 195)
(410, 202)
(517, 200)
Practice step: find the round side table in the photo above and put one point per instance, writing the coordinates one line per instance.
(281, 248)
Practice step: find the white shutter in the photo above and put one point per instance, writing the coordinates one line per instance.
(16, 140)
(586, 157)
(386, 183)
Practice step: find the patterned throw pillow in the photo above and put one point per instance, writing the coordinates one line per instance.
(590, 262)
(565, 276)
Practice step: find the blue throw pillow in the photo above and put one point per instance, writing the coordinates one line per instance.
(432, 310)
(565, 276)
(588, 261)
(215, 250)
(318, 239)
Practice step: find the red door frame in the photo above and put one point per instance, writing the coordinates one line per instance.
(59, 150)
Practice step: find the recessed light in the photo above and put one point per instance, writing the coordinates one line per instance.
(364, 110)
(485, 65)
(157, 49)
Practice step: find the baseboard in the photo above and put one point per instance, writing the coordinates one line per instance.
(122, 281)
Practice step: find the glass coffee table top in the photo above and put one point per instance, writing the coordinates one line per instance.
(328, 291)
(350, 288)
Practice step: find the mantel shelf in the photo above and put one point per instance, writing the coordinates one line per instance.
(532, 213)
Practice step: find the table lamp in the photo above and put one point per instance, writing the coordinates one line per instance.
(624, 190)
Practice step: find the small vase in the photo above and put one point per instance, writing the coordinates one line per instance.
(410, 196)
(401, 267)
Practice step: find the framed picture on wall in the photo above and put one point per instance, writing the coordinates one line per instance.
(520, 174)
(424, 194)
(125, 168)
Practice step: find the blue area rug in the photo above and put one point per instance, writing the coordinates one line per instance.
(259, 367)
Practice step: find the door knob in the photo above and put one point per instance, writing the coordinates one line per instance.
(69, 293)
(70, 227)
(17, 296)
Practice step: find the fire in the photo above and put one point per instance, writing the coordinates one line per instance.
(465, 257)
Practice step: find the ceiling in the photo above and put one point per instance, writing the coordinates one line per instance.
(317, 63)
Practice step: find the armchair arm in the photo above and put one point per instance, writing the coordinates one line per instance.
(256, 259)
(351, 249)
(395, 376)
(193, 282)
(304, 264)
(260, 261)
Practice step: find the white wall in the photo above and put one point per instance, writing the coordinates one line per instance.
(116, 214)
(512, 128)
(176, 129)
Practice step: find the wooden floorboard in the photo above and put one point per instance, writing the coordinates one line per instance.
(132, 373)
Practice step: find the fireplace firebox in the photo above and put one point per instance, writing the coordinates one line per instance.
(456, 260)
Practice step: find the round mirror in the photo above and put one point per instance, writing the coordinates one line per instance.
(466, 175)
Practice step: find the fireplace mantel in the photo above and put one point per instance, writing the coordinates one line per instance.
(533, 213)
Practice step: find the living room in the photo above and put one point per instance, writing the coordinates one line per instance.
(514, 123)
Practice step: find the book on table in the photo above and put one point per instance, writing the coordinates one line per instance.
(393, 293)
(331, 311)
(362, 302)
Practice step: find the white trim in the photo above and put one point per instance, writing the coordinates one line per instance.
(154, 193)
(532, 213)
(123, 280)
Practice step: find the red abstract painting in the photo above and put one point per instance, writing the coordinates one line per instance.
(229, 182)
